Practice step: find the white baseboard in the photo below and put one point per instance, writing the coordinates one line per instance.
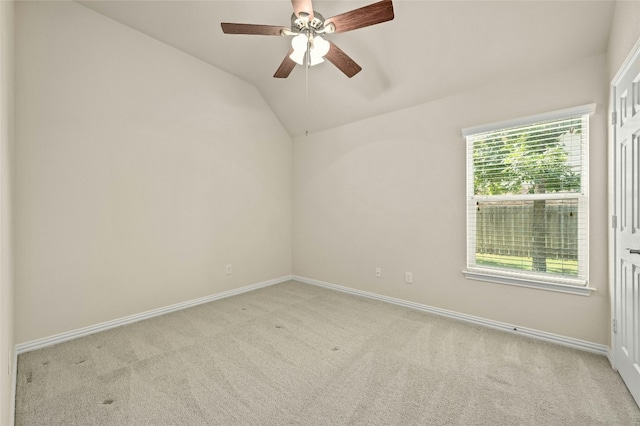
(85, 331)
(536, 334)
(14, 377)
(609, 356)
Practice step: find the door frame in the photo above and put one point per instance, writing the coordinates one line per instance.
(633, 54)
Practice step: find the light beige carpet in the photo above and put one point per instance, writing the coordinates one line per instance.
(296, 354)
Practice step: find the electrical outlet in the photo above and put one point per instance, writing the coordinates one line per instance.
(378, 272)
(408, 277)
(228, 270)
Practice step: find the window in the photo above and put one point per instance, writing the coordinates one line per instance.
(527, 201)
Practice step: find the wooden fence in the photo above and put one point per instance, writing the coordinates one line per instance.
(505, 228)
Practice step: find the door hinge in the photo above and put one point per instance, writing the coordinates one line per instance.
(614, 221)
(614, 118)
(614, 324)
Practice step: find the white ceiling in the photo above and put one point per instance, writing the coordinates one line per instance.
(430, 50)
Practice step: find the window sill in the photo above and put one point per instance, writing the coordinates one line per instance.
(488, 276)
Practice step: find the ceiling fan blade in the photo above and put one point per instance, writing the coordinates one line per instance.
(372, 14)
(285, 67)
(302, 6)
(341, 60)
(251, 29)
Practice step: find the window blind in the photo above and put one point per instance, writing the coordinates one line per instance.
(527, 200)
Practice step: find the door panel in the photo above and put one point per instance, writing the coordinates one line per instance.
(626, 133)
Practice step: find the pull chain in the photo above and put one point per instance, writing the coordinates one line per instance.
(306, 88)
(306, 109)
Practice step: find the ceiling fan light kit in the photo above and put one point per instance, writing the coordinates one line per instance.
(309, 48)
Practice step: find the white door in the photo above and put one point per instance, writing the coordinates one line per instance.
(626, 135)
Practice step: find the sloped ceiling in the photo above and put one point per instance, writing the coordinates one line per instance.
(431, 49)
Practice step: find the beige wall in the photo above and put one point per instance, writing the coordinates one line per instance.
(140, 173)
(625, 32)
(389, 191)
(7, 342)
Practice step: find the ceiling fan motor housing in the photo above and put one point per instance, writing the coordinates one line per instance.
(302, 23)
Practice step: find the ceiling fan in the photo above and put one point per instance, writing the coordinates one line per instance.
(308, 47)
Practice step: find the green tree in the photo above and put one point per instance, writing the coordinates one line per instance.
(530, 161)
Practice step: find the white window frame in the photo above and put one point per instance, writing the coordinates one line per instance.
(517, 278)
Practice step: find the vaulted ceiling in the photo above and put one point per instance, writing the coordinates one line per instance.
(431, 49)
